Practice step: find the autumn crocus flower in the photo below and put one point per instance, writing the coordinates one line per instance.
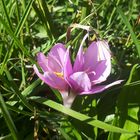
(53, 67)
(90, 69)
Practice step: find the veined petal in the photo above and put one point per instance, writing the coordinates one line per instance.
(58, 51)
(80, 82)
(55, 58)
(52, 79)
(42, 61)
(100, 88)
(67, 65)
(59, 82)
(38, 73)
(53, 64)
(104, 51)
(105, 54)
(102, 71)
(79, 61)
(95, 53)
(91, 56)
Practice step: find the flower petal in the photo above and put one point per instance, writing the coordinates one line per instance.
(58, 51)
(95, 53)
(42, 61)
(67, 65)
(55, 58)
(79, 61)
(104, 51)
(104, 54)
(53, 64)
(59, 82)
(80, 82)
(52, 79)
(101, 72)
(91, 56)
(100, 88)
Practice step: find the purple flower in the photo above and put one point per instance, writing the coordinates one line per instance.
(53, 67)
(91, 67)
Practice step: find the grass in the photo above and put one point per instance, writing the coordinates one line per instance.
(30, 109)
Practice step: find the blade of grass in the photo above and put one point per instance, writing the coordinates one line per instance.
(82, 117)
(113, 12)
(11, 84)
(18, 43)
(15, 109)
(6, 14)
(126, 22)
(26, 23)
(23, 82)
(24, 17)
(17, 10)
(30, 88)
(86, 9)
(41, 16)
(48, 18)
(8, 119)
(7, 137)
(14, 35)
(65, 135)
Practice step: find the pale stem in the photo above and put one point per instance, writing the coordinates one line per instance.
(68, 98)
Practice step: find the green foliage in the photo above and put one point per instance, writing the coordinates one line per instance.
(128, 107)
(30, 109)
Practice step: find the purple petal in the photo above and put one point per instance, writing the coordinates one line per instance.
(104, 51)
(80, 82)
(91, 56)
(105, 56)
(102, 71)
(52, 79)
(79, 61)
(100, 88)
(95, 53)
(38, 73)
(55, 58)
(53, 64)
(67, 65)
(58, 51)
(42, 61)
(59, 82)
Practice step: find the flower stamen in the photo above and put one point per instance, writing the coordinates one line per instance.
(59, 74)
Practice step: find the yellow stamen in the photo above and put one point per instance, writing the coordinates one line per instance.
(59, 74)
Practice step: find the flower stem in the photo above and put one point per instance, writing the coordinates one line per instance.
(68, 98)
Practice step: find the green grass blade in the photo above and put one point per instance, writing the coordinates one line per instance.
(128, 108)
(8, 119)
(7, 137)
(30, 88)
(24, 17)
(9, 31)
(65, 135)
(6, 14)
(14, 35)
(126, 22)
(48, 18)
(40, 14)
(15, 109)
(17, 42)
(15, 89)
(113, 12)
(82, 117)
